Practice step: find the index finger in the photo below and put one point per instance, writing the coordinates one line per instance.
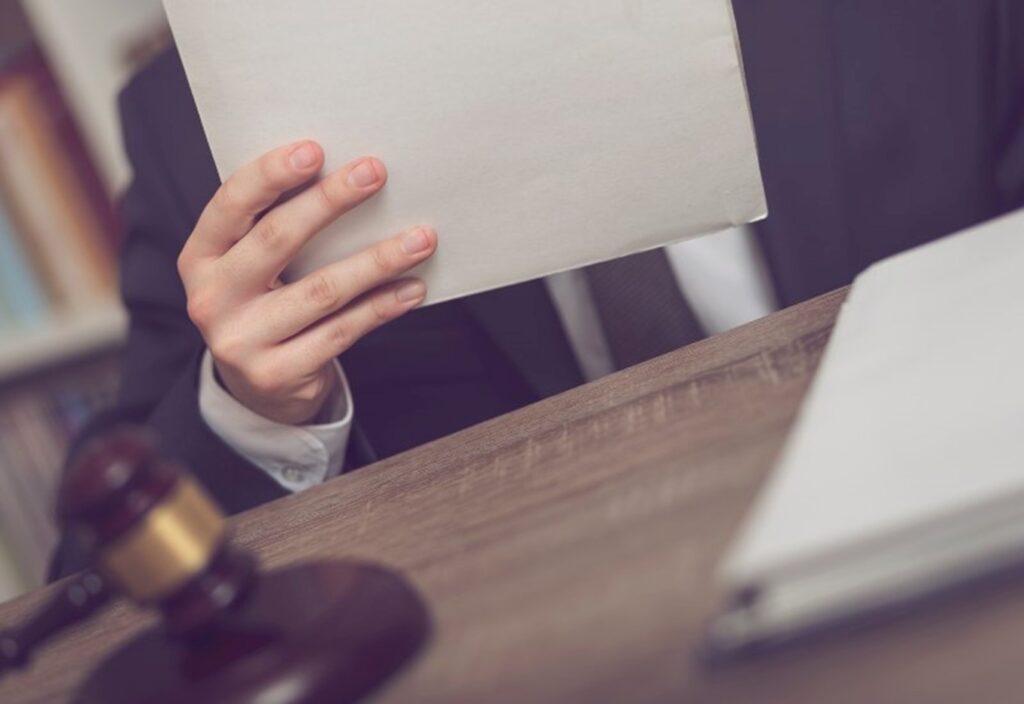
(233, 210)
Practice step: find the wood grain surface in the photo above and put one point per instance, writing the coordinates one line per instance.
(568, 550)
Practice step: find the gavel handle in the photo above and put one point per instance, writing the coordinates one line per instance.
(76, 601)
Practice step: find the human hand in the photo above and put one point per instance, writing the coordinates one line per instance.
(273, 344)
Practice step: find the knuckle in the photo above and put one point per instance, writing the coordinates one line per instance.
(267, 169)
(382, 310)
(322, 292)
(183, 263)
(200, 309)
(340, 337)
(271, 234)
(227, 349)
(332, 193)
(383, 261)
(228, 198)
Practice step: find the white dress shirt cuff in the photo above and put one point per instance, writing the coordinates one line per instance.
(296, 457)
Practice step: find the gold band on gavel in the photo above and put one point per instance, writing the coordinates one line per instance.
(169, 546)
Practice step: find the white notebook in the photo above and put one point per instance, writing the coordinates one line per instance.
(905, 470)
(535, 135)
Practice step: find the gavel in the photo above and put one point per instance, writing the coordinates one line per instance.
(331, 631)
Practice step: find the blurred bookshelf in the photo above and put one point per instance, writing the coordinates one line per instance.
(94, 46)
(62, 341)
(62, 63)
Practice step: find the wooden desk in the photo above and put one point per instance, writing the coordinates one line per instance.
(568, 550)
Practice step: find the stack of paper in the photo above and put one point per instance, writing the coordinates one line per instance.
(536, 136)
(905, 471)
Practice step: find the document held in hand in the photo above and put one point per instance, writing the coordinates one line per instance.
(904, 474)
(534, 135)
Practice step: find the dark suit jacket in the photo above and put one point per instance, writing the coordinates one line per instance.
(881, 125)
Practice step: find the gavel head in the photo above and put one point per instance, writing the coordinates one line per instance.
(151, 529)
(320, 631)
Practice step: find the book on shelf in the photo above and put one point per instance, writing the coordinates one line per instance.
(93, 47)
(11, 583)
(55, 223)
(57, 255)
(38, 420)
(21, 293)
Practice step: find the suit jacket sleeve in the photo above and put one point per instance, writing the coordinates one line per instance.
(160, 368)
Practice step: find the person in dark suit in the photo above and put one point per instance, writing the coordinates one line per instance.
(420, 377)
(881, 125)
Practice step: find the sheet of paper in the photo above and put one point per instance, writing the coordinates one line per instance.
(916, 417)
(534, 135)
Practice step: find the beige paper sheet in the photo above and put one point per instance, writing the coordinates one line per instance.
(535, 135)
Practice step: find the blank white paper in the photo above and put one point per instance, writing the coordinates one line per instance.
(916, 417)
(534, 135)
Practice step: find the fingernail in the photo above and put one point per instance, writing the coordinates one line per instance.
(364, 175)
(415, 241)
(411, 291)
(303, 157)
